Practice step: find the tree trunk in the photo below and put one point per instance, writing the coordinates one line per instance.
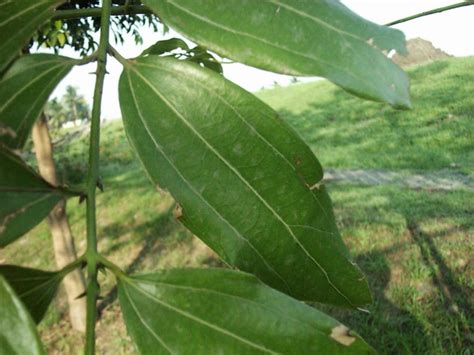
(63, 242)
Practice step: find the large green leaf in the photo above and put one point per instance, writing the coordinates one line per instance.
(19, 19)
(248, 186)
(18, 335)
(296, 37)
(217, 311)
(35, 288)
(26, 198)
(24, 90)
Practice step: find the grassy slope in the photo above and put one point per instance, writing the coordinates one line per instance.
(414, 245)
(347, 132)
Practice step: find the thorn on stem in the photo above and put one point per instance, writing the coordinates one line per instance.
(82, 197)
(100, 185)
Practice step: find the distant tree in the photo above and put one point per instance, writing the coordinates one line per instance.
(56, 113)
(75, 105)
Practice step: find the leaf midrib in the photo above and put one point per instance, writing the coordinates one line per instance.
(200, 320)
(240, 298)
(264, 41)
(228, 104)
(27, 86)
(237, 173)
(157, 146)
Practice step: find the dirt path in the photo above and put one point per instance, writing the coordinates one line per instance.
(437, 180)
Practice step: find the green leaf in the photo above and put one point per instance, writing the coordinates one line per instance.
(19, 19)
(26, 197)
(296, 37)
(201, 56)
(248, 186)
(35, 288)
(18, 335)
(24, 90)
(165, 46)
(217, 311)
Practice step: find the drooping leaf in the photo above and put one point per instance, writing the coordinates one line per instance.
(248, 186)
(165, 46)
(35, 288)
(18, 335)
(19, 19)
(26, 198)
(24, 90)
(203, 57)
(218, 311)
(296, 37)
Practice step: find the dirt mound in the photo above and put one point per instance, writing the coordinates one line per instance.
(419, 51)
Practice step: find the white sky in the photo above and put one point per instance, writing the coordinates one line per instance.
(452, 31)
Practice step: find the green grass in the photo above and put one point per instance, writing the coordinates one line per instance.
(415, 246)
(346, 132)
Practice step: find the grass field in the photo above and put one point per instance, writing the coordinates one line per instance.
(414, 245)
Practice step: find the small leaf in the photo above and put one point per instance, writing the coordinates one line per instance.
(295, 37)
(35, 288)
(18, 335)
(19, 19)
(24, 90)
(245, 181)
(217, 311)
(26, 197)
(201, 56)
(165, 46)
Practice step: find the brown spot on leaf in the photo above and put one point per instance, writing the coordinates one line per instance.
(316, 186)
(178, 211)
(7, 131)
(297, 161)
(6, 219)
(342, 335)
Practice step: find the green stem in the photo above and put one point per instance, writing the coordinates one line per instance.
(431, 12)
(81, 261)
(118, 272)
(92, 255)
(97, 12)
(114, 53)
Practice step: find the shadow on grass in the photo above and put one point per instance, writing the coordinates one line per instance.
(390, 329)
(151, 232)
(345, 131)
(421, 305)
(454, 297)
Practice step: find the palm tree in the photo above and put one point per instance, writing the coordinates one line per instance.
(77, 108)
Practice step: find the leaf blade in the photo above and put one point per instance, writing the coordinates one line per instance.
(302, 38)
(26, 197)
(217, 310)
(288, 239)
(15, 320)
(164, 46)
(35, 288)
(23, 98)
(18, 21)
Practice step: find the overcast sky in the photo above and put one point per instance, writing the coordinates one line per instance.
(451, 31)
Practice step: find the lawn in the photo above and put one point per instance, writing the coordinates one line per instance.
(414, 245)
(346, 132)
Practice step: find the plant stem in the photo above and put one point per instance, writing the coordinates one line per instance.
(97, 12)
(79, 262)
(92, 256)
(431, 12)
(114, 53)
